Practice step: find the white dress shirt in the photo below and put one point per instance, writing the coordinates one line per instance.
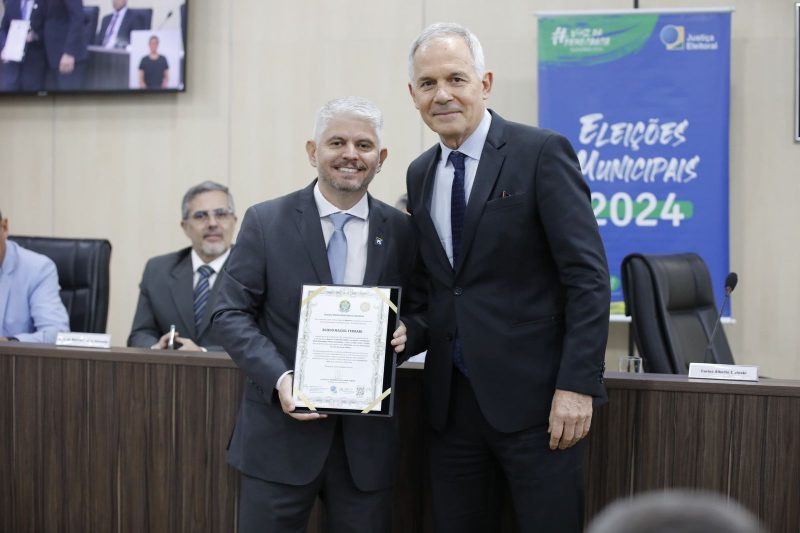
(443, 184)
(216, 264)
(112, 38)
(356, 230)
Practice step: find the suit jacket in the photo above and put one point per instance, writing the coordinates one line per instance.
(529, 295)
(131, 21)
(62, 23)
(280, 247)
(166, 296)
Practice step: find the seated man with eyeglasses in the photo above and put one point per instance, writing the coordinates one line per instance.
(178, 288)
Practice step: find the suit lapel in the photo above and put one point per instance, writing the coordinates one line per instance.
(308, 224)
(422, 214)
(181, 290)
(485, 178)
(376, 243)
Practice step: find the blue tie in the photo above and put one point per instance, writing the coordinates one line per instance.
(458, 205)
(337, 246)
(201, 292)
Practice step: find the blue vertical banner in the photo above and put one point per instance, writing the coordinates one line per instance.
(644, 98)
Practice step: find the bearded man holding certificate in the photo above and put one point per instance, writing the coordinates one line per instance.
(287, 457)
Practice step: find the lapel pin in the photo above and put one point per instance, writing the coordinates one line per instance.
(378, 241)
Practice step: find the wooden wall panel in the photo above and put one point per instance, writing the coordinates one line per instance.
(27, 446)
(7, 466)
(125, 440)
(74, 452)
(191, 453)
(130, 401)
(610, 450)
(161, 470)
(104, 434)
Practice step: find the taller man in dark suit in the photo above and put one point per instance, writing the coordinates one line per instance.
(180, 288)
(518, 303)
(65, 42)
(287, 458)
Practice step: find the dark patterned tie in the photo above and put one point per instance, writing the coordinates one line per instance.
(458, 205)
(337, 246)
(201, 292)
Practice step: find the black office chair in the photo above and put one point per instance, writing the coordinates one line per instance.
(144, 15)
(670, 300)
(83, 273)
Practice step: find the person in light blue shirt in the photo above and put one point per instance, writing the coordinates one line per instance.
(31, 309)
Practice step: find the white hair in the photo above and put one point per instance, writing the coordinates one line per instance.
(445, 29)
(354, 106)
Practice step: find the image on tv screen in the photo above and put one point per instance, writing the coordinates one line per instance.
(74, 46)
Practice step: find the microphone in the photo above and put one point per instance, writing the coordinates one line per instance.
(730, 283)
(165, 20)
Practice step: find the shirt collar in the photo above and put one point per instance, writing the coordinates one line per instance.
(325, 208)
(473, 146)
(216, 264)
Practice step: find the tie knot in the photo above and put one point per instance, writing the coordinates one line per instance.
(339, 220)
(457, 159)
(205, 271)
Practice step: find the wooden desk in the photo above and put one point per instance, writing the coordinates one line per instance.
(133, 440)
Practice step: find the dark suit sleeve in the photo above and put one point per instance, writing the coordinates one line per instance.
(414, 305)
(144, 332)
(241, 296)
(75, 44)
(564, 203)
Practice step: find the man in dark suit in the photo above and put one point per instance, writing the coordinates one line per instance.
(518, 303)
(180, 288)
(288, 458)
(65, 42)
(115, 28)
(28, 74)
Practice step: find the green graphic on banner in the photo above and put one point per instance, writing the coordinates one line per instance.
(579, 42)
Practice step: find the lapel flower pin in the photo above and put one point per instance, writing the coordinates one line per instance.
(379, 240)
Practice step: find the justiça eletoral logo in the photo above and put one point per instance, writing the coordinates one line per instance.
(673, 37)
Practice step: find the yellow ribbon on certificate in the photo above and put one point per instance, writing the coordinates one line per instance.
(314, 293)
(304, 399)
(378, 400)
(385, 299)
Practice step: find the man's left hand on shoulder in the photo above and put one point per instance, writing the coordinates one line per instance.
(570, 418)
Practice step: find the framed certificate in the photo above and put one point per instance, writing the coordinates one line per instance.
(345, 362)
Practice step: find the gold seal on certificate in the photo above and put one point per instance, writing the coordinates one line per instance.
(345, 362)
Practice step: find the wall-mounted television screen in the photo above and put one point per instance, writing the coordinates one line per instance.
(76, 46)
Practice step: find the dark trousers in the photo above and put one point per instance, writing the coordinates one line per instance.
(269, 507)
(471, 462)
(66, 82)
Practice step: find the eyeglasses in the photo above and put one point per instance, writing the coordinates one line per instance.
(220, 215)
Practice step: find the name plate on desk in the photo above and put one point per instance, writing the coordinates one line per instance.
(84, 340)
(726, 372)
